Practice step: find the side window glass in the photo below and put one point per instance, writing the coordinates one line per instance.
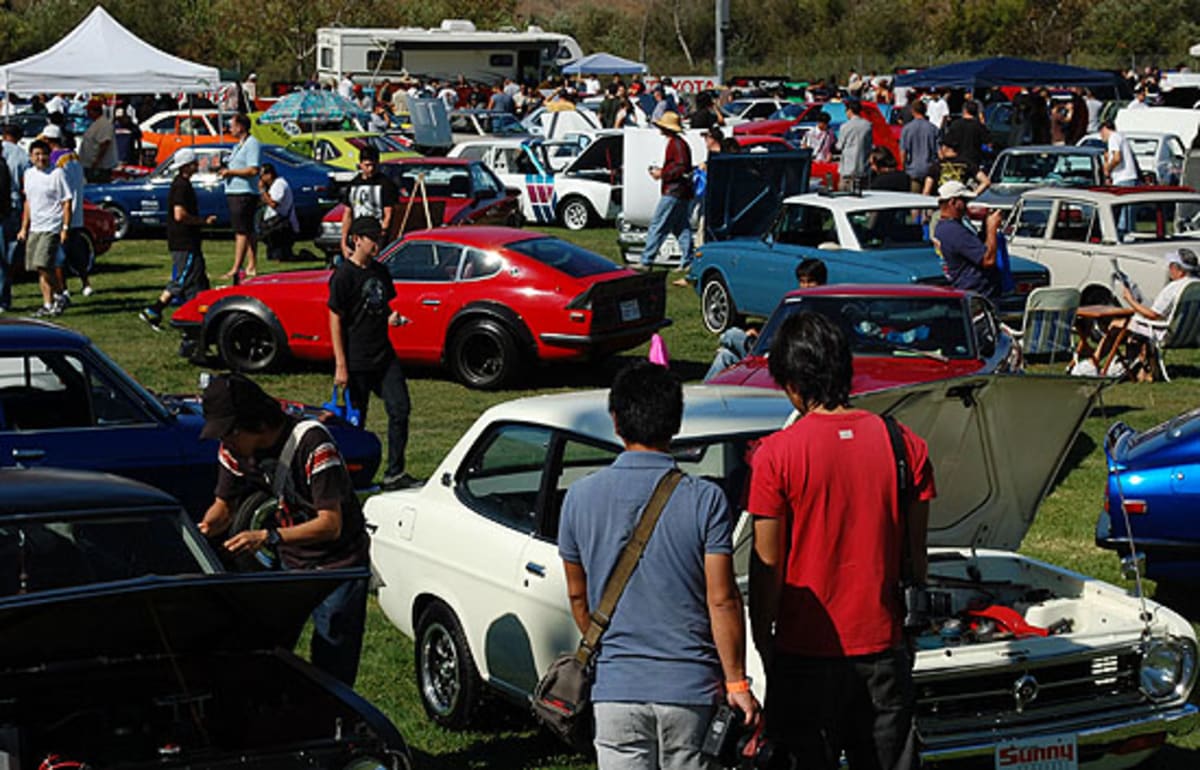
(1032, 218)
(111, 406)
(503, 476)
(1073, 221)
(42, 392)
(484, 181)
(984, 325)
(425, 261)
(579, 459)
(480, 264)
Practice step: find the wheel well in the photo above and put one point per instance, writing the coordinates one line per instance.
(240, 304)
(422, 603)
(501, 314)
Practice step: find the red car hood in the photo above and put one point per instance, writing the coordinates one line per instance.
(871, 373)
(764, 127)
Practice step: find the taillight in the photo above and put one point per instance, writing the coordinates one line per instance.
(1135, 507)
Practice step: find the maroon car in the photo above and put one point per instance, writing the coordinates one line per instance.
(459, 192)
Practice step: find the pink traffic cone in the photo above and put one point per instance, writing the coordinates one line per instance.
(658, 351)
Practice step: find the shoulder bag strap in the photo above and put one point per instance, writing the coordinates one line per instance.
(631, 554)
(903, 490)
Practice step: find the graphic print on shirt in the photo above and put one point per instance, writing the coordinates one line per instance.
(366, 200)
(374, 299)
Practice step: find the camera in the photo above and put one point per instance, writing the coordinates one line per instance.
(737, 746)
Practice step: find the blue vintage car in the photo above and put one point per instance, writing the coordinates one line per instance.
(753, 243)
(141, 204)
(1154, 478)
(63, 403)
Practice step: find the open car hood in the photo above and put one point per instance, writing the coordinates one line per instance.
(744, 191)
(158, 615)
(996, 442)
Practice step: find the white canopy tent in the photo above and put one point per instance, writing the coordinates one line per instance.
(101, 55)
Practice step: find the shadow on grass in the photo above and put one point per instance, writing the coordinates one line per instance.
(1111, 412)
(507, 738)
(1081, 447)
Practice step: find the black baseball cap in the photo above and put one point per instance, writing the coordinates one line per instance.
(232, 401)
(366, 226)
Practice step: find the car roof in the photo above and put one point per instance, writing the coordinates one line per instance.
(429, 160)
(50, 490)
(708, 410)
(878, 290)
(478, 236)
(1110, 194)
(1053, 149)
(869, 199)
(27, 334)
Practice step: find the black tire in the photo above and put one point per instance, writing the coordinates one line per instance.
(247, 344)
(255, 511)
(84, 263)
(717, 310)
(447, 679)
(484, 355)
(575, 213)
(120, 220)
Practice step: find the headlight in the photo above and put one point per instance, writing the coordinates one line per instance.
(1168, 668)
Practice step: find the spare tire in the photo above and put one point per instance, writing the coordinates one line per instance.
(255, 511)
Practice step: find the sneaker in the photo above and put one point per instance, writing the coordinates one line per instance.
(88, 291)
(152, 317)
(403, 481)
(63, 300)
(43, 312)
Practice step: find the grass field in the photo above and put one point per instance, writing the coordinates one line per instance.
(134, 272)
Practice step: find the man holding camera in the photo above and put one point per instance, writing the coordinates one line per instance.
(675, 644)
(830, 537)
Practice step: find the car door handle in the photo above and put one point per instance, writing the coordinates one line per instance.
(535, 569)
(28, 454)
(431, 302)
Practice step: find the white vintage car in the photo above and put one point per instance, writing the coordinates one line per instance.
(469, 569)
(1087, 237)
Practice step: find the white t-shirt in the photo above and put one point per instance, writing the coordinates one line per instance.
(281, 193)
(1125, 171)
(449, 97)
(346, 87)
(45, 192)
(937, 111)
(1163, 304)
(72, 172)
(100, 131)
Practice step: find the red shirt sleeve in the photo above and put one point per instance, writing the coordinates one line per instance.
(918, 458)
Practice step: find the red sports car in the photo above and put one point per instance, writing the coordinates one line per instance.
(899, 335)
(483, 301)
(459, 192)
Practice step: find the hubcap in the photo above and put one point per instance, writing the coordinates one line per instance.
(481, 357)
(439, 669)
(251, 343)
(716, 305)
(575, 216)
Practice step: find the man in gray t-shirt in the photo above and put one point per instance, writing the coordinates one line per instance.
(919, 143)
(675, 646)
(855, 144)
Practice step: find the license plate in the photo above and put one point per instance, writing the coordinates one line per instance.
(630, 311)
(1048, 752)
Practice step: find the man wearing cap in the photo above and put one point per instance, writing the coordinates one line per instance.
(319, 524)
(360, 291)
(968, 262)
(855, 143)
(671, 215)
(189, 274)
(1182, 266)
(98, 145)
(45, 223)
(369, 194)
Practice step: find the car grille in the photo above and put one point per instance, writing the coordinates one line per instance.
(982, 700)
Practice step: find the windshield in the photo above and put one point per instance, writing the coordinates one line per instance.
(789, 112)
(1157, 220)
(571, 259)
(735, 108)
(890, 228)
(1045, 168)
(501, 125)
(1145, 150)
(441, 180)
(885, 326)
(42, 553)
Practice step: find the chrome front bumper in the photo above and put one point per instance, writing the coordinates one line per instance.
(1091, 732)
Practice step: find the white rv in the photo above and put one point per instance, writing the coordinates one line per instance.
(455, 48)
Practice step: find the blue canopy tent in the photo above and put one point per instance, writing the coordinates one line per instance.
(604, 64)
(1006, 71)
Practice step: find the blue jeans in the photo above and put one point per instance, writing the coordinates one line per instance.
(389, 384)
(671, 217)
(338, 624)
(8, 246)
(734, 344)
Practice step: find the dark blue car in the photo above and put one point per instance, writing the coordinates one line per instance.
(141, 204)
(64, 403)
(1154, 477)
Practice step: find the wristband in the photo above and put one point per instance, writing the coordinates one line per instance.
(742, 685)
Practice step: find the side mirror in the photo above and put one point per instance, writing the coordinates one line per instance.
(769, 238)
(830, 246)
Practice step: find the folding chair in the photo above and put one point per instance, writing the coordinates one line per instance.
(1182, 327)
(1049, 320)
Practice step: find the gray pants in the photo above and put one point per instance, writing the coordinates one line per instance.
(649, 736)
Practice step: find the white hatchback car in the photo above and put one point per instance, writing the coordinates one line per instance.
(1090, 238)
(468, 568)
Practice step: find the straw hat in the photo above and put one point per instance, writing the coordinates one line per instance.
(670, 122)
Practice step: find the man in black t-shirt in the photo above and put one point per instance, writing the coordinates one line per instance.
(365, 361)
(370, 194)
(319, 524)
(968, 135)
(189, 274)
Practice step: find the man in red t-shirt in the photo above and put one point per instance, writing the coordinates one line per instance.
(825, 605)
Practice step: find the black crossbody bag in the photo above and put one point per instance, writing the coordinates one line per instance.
(913, 594)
